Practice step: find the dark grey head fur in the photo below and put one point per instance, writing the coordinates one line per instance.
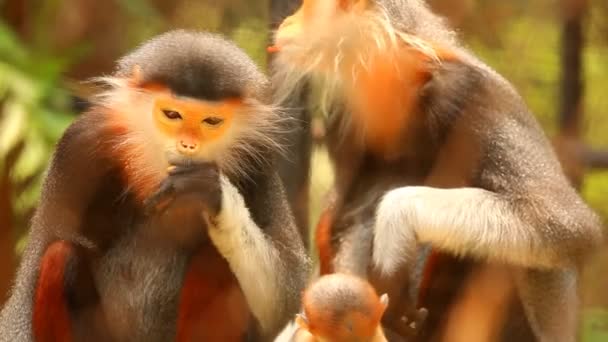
(196, 64)
(416, 18)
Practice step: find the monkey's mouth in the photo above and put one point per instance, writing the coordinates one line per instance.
(273, 48)
(279, 44)
(281, 41)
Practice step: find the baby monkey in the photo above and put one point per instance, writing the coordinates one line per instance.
(340, 308)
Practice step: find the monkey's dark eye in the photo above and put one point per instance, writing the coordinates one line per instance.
(171, 114)
(213, 121)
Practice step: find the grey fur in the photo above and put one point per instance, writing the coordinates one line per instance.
(415, 17)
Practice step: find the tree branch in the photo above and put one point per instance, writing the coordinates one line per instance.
(572, 85)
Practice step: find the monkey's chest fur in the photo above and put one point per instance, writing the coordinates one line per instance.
(160, 278)
(155, 290)
(139, 285)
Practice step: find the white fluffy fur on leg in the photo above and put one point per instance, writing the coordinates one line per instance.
(288, 333)
(251, 256)
(463, 221)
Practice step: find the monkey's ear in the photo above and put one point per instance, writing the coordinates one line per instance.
(302, 321)
(136, 78)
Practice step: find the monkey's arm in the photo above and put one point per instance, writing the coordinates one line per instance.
(52, 268)
(481, 223)
(548, 240)
(260, 241)
(522, 210)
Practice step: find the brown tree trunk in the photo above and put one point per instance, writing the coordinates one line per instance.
(569, 146)
(597, 159)
(7, 255)
(572, 87)
(15, 14)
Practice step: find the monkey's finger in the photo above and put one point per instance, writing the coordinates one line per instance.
(417, 320)
(180, 170)
(160, 199)
(192, 168)
(411, 323)
(205, 182)
(194, 184)
(194, 179)
(421, 316)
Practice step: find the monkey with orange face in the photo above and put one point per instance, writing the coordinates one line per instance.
(434, 149)
(162, 217)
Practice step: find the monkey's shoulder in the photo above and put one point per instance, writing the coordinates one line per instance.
(87, 139)
(83, 180)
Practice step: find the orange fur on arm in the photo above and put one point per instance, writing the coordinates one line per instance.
(431, 264)
(51, 317)
(323, 241)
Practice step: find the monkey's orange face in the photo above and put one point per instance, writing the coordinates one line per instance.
(191, 126)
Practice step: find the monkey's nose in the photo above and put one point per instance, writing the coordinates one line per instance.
(187, 147)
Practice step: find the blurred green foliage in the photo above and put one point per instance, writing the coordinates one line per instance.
(243, 21)
(34, 112)
(595, 326)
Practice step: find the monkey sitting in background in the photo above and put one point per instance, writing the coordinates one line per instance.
(431, 147)
(162, 217)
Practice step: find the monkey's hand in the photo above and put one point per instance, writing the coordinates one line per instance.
(410, 325)
(225, 228)
(252, 250)
(199, 182)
